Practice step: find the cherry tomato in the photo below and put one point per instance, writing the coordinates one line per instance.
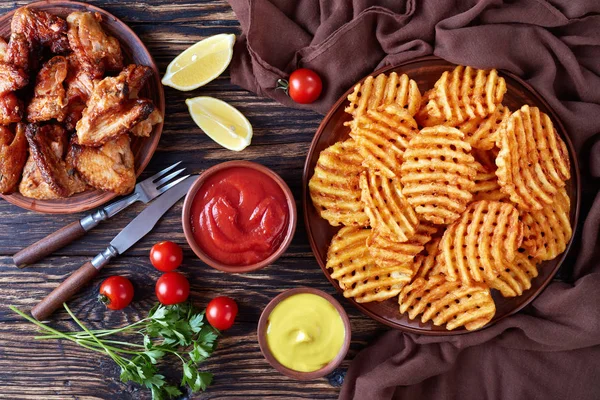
(221, 312)
(304, 86)
(116, 292)
(166, 256)
(172, 288)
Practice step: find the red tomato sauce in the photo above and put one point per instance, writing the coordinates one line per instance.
(239, 216)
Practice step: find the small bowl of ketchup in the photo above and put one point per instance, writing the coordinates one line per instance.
(239, 216)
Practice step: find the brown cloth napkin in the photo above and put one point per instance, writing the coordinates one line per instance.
(550, 350)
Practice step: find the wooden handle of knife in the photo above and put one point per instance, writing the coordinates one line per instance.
(49, 244)
(64, 291)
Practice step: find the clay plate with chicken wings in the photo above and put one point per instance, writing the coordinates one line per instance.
(81, 107)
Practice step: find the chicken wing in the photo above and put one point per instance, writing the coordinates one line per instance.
(49, 100)
(80, 85)
(144, 128)
(11, 108)
(110, 111)
(95, 50)
(12, 78)
(42, 28)
(44, 150)
(21, 53)
(109, 167)
(32, 30)
(33, 184)
(13, 154)
(3, 51)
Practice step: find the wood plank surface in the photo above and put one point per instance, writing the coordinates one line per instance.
(53, 370)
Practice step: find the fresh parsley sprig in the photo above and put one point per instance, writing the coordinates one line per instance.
(179, 330)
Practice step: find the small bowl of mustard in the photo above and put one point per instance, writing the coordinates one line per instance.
(304, 333)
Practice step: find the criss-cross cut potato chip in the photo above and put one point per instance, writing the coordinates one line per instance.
(475, 247)
(548, 231)
(351, 264)
(444, 302)
(437, 174)
(382, 136)
(334, 187)
(533, 162)
(422, 116)
(387, 209)
(486, 185)
(465, 93)
(425, 262)
(516, 276)
(389, 253)
(384, 90)
(482, 132)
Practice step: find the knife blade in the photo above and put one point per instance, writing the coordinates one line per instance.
(131, 234)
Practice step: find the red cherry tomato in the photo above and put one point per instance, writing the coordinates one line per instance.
(116, 292)
(304, 86)
(221, 312)
(166, 256)
(172, 288)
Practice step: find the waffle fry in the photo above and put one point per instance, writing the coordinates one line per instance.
(437, 174)
(475, 247)
(382, 136)
(422, 116)
(334, 187)
(444, 302)
(352, 266)
(391, 254)
(548, 231)
(516, 277)
(482, 132)
(384, 90)
(425, 263)
(533, 162)
(486, 185)
(387, 208)
(465, 93)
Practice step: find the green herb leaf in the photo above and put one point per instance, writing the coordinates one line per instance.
(154, 355)
(196, 322)
(147, 342)
(203, 380)
(172, 391)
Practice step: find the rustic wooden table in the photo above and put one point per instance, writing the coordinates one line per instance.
(32, 369)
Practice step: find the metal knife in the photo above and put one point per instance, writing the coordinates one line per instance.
(145, 191)
(131, 234)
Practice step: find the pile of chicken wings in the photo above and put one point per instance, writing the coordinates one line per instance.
(68, 107)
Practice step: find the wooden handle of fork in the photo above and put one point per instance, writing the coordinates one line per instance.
(64, 291)
(49, 244)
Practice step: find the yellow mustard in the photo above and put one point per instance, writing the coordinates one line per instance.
(305, 332)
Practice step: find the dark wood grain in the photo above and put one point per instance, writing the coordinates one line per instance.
(51, 370)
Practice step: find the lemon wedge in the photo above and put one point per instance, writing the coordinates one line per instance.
(200, 63)
(222, 122)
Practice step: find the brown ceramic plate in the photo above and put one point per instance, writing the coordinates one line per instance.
(425, 71)
(134, 52)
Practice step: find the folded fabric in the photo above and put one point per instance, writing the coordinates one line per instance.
(550, 350)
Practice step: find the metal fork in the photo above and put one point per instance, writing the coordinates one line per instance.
(145, 191)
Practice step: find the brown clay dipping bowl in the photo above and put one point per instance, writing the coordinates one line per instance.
(425, 71)
(134, 52)
(187, 226)
(263, 324)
